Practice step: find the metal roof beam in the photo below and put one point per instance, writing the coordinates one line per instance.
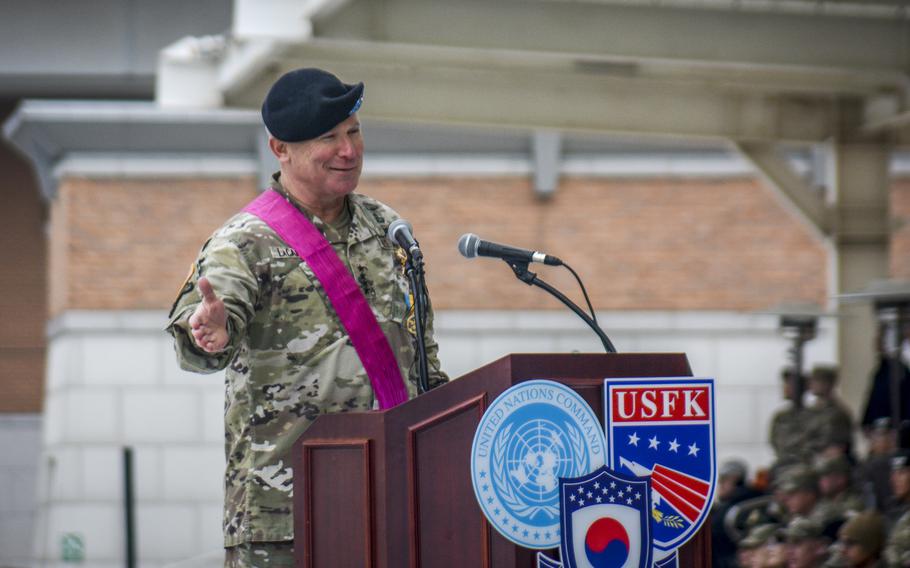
(796, 193)
(557, 100)
(635, 30)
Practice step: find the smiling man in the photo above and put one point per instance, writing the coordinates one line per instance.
(263, 302)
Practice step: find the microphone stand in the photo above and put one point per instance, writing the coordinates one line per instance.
(530, 278)
(414, 269)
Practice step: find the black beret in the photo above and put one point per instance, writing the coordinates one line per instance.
(306, 103)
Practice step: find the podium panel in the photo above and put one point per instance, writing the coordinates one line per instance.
(392, 489)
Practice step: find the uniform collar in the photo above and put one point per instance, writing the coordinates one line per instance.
(363, 225)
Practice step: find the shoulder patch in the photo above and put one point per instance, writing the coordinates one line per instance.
(184, 288)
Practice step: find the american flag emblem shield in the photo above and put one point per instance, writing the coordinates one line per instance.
(663, 429)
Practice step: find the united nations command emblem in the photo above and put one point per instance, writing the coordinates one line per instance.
(533, 434)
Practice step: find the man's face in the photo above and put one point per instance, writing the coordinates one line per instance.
(775, 555)
(819, 387)
(900, 483)
(325, 167)
(746, 557)
(854, 552)
(726, 486)
(832, 484)
(787, 386)
(805, 554)
(799, 501)
(881, 442)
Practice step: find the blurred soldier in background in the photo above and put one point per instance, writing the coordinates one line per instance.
(793, 433)
(831, 419)
(838, 498)
(874, 473)
(899, 504)
(756, 547)
(798, 486)
(897, 551)
(731, 489)
(859, 543)
(806, 546)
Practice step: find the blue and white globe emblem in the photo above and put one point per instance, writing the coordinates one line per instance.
(534, 433)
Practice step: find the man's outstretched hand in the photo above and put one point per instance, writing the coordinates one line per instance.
(208, 323)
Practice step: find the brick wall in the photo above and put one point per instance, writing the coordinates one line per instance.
(128, 244)
(22, 284)
(662, 244)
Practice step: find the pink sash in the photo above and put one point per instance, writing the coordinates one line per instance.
(345, 295)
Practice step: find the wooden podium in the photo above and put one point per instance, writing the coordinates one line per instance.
(392, 489)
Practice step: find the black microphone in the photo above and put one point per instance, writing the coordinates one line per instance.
(470, 245)
(401, 232)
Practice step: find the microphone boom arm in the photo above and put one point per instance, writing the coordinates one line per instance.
(530, 278)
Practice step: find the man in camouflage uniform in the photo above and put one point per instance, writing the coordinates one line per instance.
(829, 415)
(793, 436)
(797, 486)
(806, 546)
(760, 542)
(254, 307)
(838, 499)
(897, 550)
(875, 471)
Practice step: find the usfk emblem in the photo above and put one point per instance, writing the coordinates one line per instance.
(533, 434)
(664, 429)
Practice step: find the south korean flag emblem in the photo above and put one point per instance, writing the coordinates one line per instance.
(605, 521)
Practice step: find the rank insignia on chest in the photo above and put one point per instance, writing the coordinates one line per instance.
(401, 259)
(410, 320)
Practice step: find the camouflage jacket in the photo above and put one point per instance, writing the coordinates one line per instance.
(794, 436)
(830, 510)
(897, 548)
(833, 423)
(289, 359)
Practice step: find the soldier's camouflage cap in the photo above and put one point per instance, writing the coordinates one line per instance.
(800, 529)
(833, 464)
(824, 373)
(795, 478)
(759, 535)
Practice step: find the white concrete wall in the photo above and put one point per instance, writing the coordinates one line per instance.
(112, 381)
(20, 445)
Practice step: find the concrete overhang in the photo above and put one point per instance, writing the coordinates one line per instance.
(768, 71)
(48, 131)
